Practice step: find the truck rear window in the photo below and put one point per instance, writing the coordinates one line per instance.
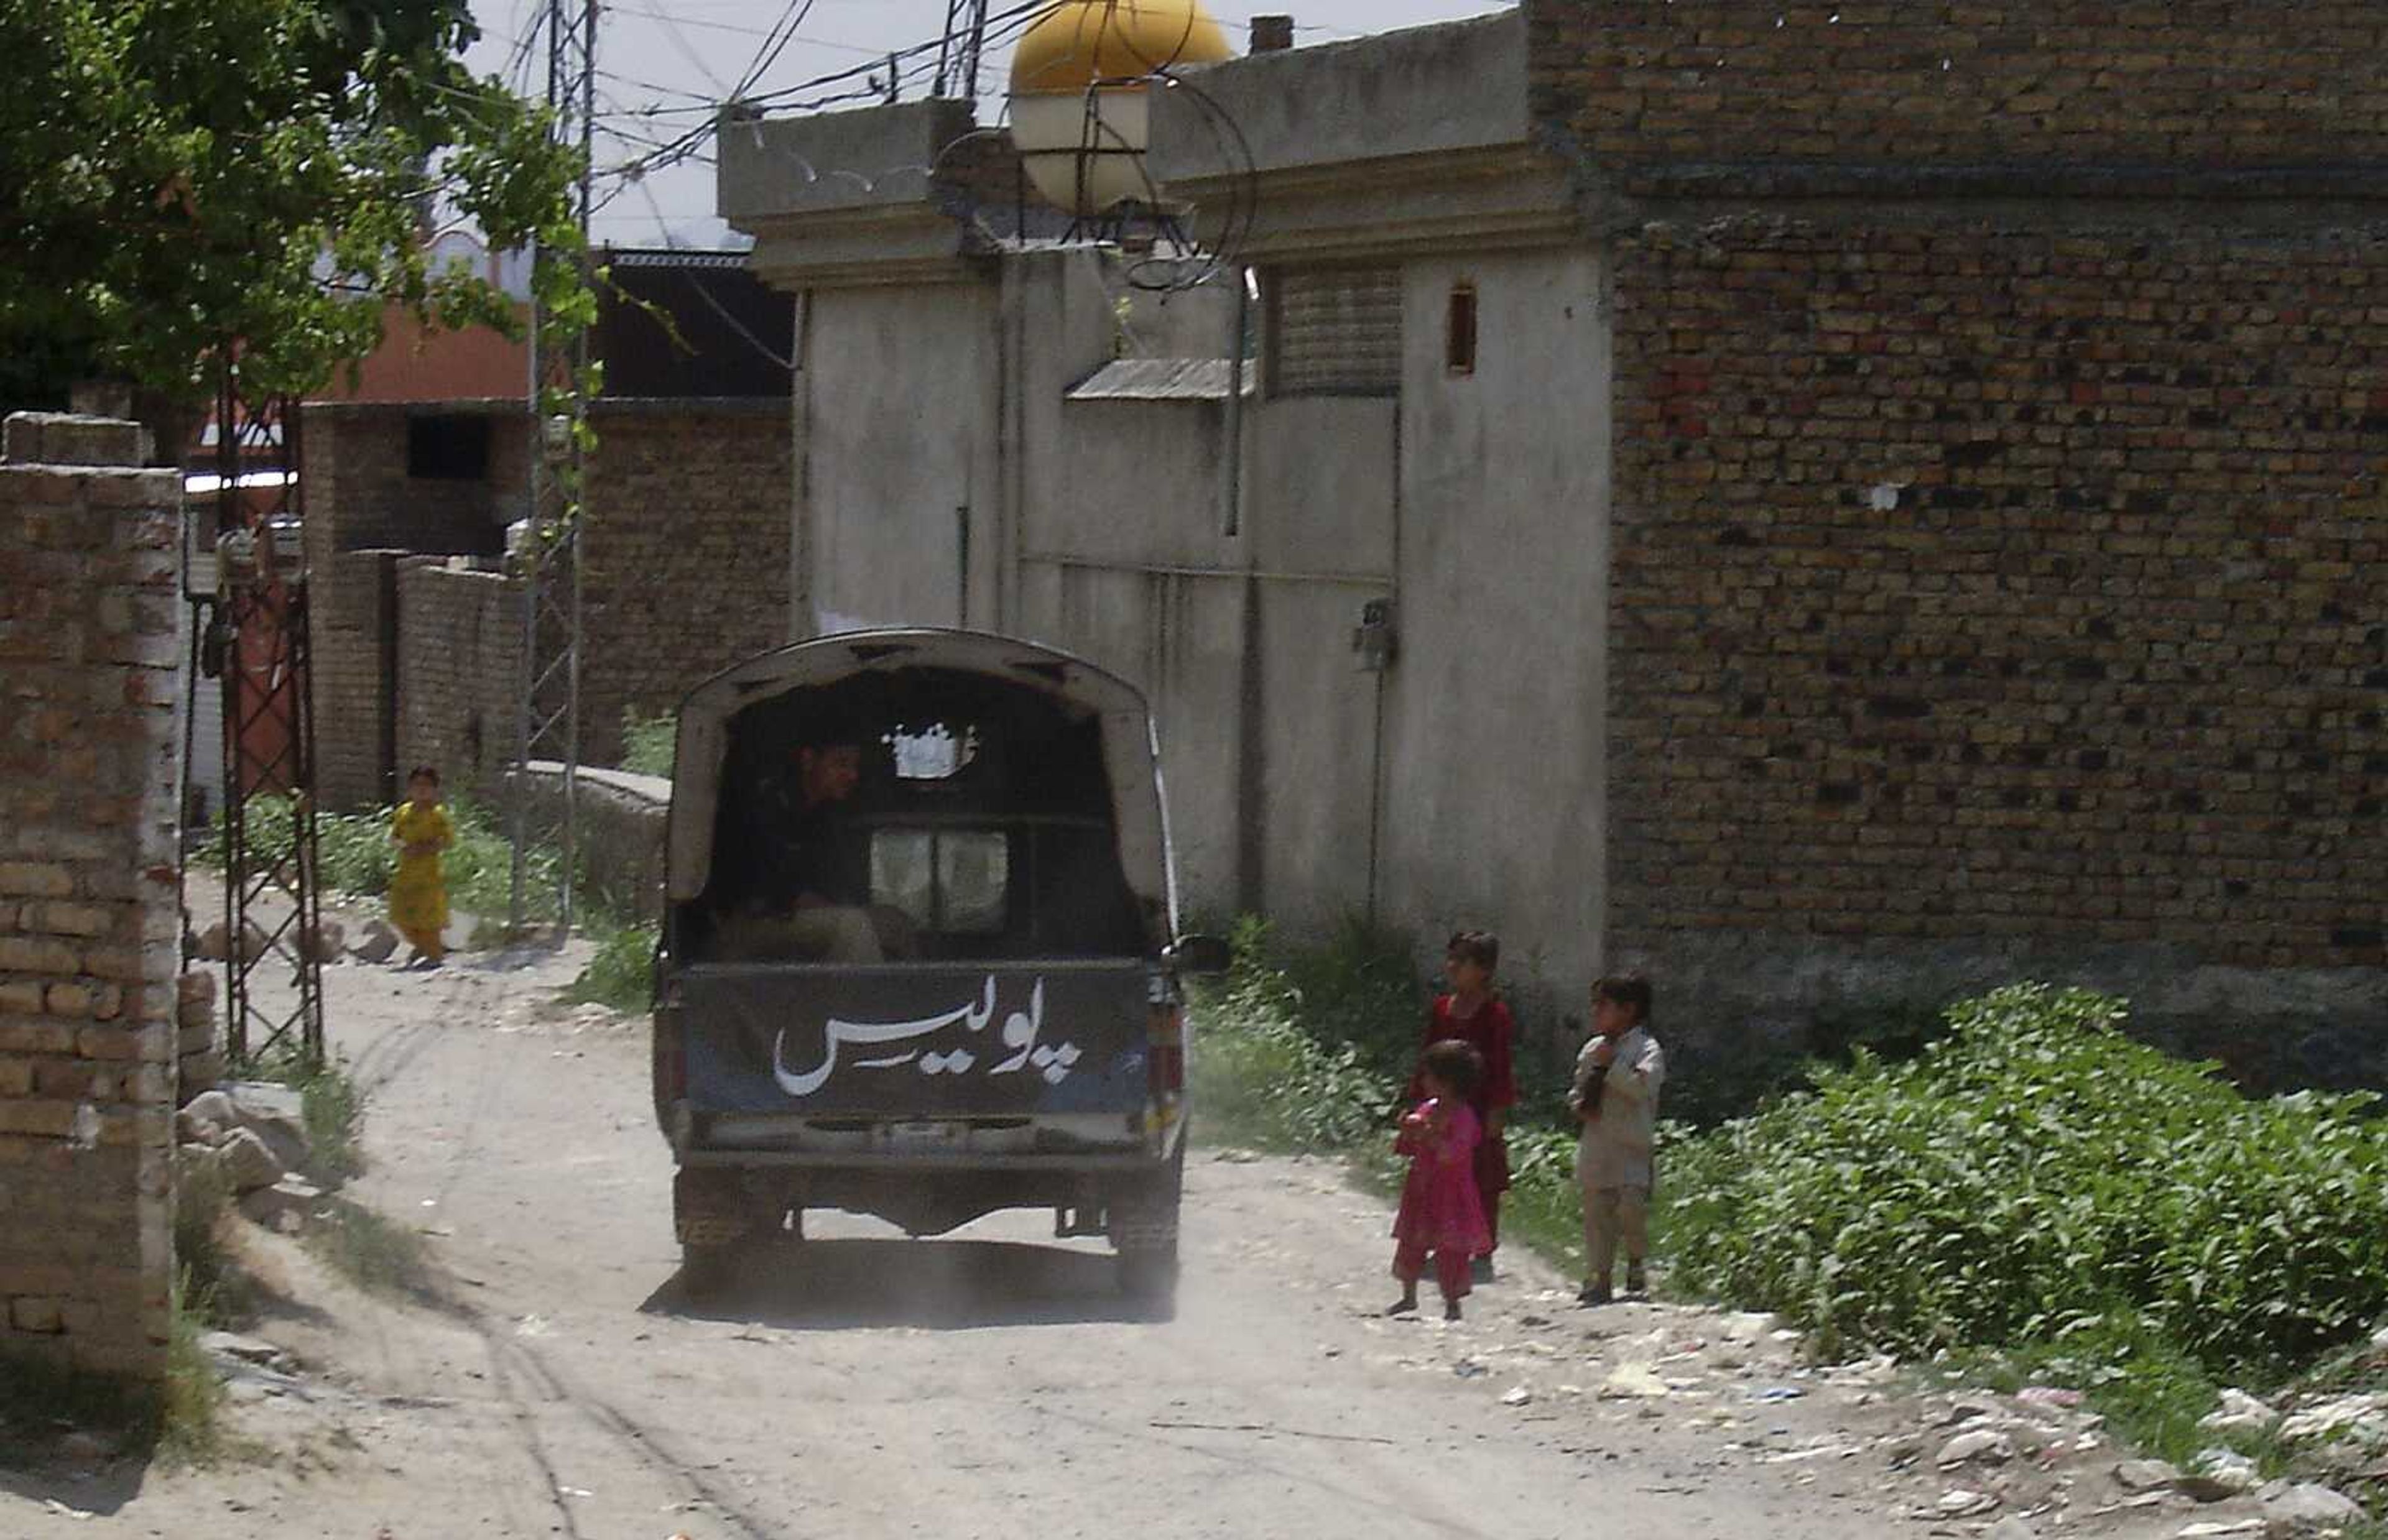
(957, 881)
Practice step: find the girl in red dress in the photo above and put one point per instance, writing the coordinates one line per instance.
(1474, 1015)
(1441, 1213)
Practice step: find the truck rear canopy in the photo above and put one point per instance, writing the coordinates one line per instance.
(1009, 800)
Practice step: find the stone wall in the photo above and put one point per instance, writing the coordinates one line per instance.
(90, 644)
(1997, 576)
(622, 819)
(686, 563)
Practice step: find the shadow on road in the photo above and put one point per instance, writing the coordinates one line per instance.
(940, 1285)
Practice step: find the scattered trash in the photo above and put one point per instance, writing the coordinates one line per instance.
(1518, 1396)
(1468, 1368)
(1777, 1392)
(1633, 1383)
(1960, 1503)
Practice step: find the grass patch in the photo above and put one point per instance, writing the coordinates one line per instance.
(375, 1253)
(191, 1422)
(649, 743)
(1305, 1050)
(622, 975)
(331, 1108)
(354, 856)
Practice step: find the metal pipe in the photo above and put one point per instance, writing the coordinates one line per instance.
(1376, 581)
(1232, 494)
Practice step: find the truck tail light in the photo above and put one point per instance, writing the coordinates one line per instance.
(1165, 1049)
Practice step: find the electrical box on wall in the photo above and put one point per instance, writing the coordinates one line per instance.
(1375, 640)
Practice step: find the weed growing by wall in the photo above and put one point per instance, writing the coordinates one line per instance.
(2037, 1177)
(622, 974)
(649, 743)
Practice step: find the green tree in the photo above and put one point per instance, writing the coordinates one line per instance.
(178, 174)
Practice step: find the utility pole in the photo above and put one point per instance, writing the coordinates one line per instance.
(250, 630)
(550, 697)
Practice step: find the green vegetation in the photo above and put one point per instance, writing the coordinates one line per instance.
(648, 743)
(2036, 1176)
(622, 973)
(354, 854)
(185, 171)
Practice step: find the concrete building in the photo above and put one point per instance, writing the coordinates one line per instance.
(1860, 516)
(1025, 438)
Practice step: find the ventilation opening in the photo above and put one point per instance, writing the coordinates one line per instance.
(1333, 332)
(1459, 331)
(448, 448)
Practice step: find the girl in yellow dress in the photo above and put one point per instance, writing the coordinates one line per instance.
(418, 894)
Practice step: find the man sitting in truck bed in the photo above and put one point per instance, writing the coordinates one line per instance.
(807, 886)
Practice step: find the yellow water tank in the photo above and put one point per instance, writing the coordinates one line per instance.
(1081, 84)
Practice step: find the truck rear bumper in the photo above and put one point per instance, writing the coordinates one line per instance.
(867, 1160)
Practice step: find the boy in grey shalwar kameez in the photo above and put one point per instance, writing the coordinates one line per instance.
(1615, 1096)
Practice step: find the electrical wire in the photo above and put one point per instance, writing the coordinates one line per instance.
(797, 13)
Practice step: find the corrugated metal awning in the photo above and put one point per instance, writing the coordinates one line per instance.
(1160, 380)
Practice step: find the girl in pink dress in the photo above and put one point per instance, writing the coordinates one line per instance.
(1440, 1212)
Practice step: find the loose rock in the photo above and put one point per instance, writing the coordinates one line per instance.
(246, 1163)
(2295, 1509)
(2146, 1475)
(1987, 1445)
(379, 944)
(2241, 1412)
(273, 1113)
(2220, 1474)
(325, 942)
(285, 1206)
(2011, 1528)
(2365, 1416)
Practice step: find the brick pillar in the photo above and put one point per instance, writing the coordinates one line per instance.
(90, 644)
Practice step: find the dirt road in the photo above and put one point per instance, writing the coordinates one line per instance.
(555, 1383)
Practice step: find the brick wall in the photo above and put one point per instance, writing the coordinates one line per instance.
(90, 624)
(686, 571)
(1997, 583)
(362, 512)
(1971, 582)
(458, 679)
(686, 553)
(352, 624)
(1651, 85)
(361, 497)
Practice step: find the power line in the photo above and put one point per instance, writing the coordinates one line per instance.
(797, 13)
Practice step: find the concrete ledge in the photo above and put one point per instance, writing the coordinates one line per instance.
(621, 819)
(65, 438)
